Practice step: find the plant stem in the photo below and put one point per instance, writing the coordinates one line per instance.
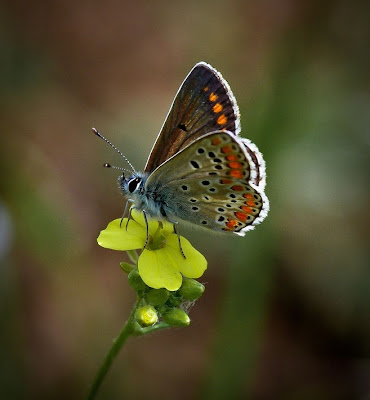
(133, 256)
(118, 342)
(131, 328)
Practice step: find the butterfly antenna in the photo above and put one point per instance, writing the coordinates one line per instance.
(106, 165)
(115, 148)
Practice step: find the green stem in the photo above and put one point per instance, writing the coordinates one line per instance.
(133, 256)
(151, 329)
(127, 330)
(131, 328)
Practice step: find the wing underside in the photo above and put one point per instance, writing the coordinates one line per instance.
(203, 104)
(214, 182)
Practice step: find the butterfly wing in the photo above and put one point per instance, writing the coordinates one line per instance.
(258, 173)
(215, 182)
(203, 104)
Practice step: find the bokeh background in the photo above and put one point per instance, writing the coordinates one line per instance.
(286, 310)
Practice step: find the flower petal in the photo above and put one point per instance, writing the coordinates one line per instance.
(138, 216)
(117, 238)
(194, 265)
(158, 269)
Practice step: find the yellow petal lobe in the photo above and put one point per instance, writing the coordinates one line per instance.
(116, 237)
(158, 269)
(194, 265)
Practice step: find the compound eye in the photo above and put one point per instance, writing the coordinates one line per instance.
(133, 184)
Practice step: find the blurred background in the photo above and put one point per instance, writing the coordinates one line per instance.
(286, 311)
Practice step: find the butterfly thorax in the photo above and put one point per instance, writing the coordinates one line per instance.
(133, 188)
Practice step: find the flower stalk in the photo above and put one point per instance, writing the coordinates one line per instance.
(160, 276)
(130, 328)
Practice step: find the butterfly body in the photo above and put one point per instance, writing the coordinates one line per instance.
(200, 170)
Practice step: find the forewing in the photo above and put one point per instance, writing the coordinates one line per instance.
(203, 104)
(214, 182)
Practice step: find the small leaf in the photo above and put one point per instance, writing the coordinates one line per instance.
(135, 281)
(127, 267)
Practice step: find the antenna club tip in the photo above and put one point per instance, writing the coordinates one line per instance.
(106, 165)
(95, 131)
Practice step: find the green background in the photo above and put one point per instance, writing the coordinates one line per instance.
(286, 310)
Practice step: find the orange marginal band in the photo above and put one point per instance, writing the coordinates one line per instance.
(217, 108)
(221, 120)
(213, 97)
(237, 173)
(232, 223)
(235, 164)
(241, 216)
(237, 188)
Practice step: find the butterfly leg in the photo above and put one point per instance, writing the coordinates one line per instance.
(147, 229)
(129, 215)
(146, 224)
(178, 238)
(124, 213)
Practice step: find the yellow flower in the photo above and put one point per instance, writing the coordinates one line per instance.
(161, 264)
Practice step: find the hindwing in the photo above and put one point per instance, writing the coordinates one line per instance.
(215, 182)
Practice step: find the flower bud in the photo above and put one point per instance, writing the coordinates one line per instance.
(135, 281)
(157, 297)
(176, 317)
(191, 289)
(146, 316)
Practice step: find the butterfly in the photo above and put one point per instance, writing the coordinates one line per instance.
(200, 170)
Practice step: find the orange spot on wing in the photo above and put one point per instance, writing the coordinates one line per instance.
(248, 210)
(235, 164)
(232, 223)
(221, 120)
(237, 173)
(232, 157)
(237, 188)
(226, 181)
(216, 141)
(248, 196)
(205, 89)
(217, 108)
(251, 203)
(213, 97)
(226, 149)
(241, 216)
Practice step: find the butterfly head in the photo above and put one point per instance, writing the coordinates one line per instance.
(131, 185)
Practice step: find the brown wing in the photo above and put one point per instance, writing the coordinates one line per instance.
(204, 103)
